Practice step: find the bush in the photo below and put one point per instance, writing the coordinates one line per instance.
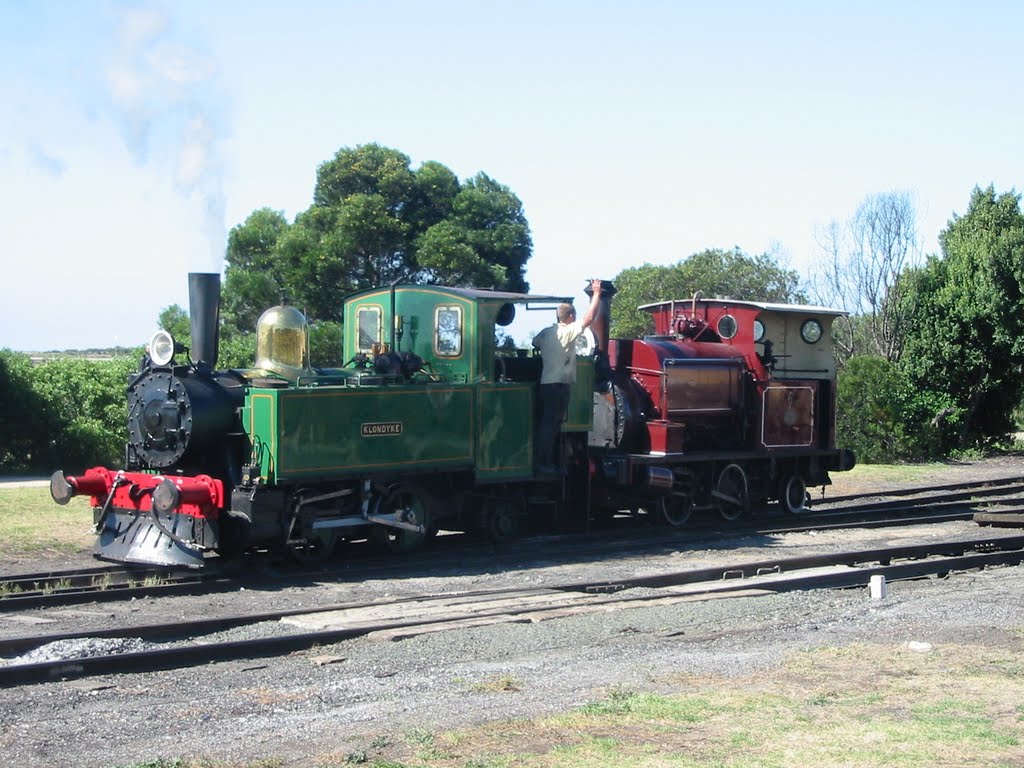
(882, 417)
(67, 413)
(87, 410)
(25, 417)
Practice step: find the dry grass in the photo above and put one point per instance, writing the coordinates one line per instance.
(887, 476)
(501, 683)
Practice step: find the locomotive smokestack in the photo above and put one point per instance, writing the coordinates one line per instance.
(204, 312)
(604, 313)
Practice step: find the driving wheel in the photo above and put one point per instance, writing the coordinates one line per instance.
(731, 492)
(674, 511)
(410, 505)
(794, 495)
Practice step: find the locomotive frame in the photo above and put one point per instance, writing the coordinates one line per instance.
(429, 425)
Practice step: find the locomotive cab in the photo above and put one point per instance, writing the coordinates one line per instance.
(451, 333)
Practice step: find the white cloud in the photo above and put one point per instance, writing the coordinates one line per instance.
(180, 65)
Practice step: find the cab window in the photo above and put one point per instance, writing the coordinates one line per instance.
(368, 322)
(448, 331)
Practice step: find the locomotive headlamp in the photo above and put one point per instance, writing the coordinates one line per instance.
(161, 348)
(810, 331)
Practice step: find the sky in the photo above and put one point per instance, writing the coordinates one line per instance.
(134, 135)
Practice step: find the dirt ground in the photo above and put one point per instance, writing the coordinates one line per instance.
(813, 667)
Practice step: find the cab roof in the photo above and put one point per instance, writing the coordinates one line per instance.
(473, 294)
(803, 309)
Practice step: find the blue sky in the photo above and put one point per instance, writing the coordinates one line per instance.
(133, 136)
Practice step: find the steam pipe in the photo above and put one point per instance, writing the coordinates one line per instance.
(394, 313)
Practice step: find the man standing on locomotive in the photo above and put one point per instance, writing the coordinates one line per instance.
(557, 345)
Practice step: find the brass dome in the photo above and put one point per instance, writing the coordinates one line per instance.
(282, 342)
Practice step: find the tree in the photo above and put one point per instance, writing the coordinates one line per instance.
(489, 220)
(175, 321)
(255, 278)
(712, 272)
(865, 258)
(375, 220)
(967, 338)
(325, 345)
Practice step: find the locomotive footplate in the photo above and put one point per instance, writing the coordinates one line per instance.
(152, 538)
(836, 458)
(828, 459)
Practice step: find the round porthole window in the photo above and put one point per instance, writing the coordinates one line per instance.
(758, 330)
(810, 331)
(726, 326)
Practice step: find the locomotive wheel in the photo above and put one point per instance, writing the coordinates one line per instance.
(503, 524)
(412, 506)
(319, 546)
(732, 493)
(794, 495)
(674, 511)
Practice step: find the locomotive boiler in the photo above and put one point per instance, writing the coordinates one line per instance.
(430, 425)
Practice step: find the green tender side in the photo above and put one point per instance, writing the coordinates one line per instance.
(322, 432)
(505, 446)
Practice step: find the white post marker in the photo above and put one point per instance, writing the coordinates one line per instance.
(877, 587)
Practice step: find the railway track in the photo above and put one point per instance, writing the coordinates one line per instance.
(961, 501)
(42, 657)
(1013, 482)
(104, 583)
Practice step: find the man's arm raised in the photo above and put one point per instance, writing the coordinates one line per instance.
(595, 300)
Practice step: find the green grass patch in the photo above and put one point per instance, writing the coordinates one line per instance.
(649, 707)
(32, 524)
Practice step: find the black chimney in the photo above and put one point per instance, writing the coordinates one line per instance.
(603, 318)
(204, 312)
